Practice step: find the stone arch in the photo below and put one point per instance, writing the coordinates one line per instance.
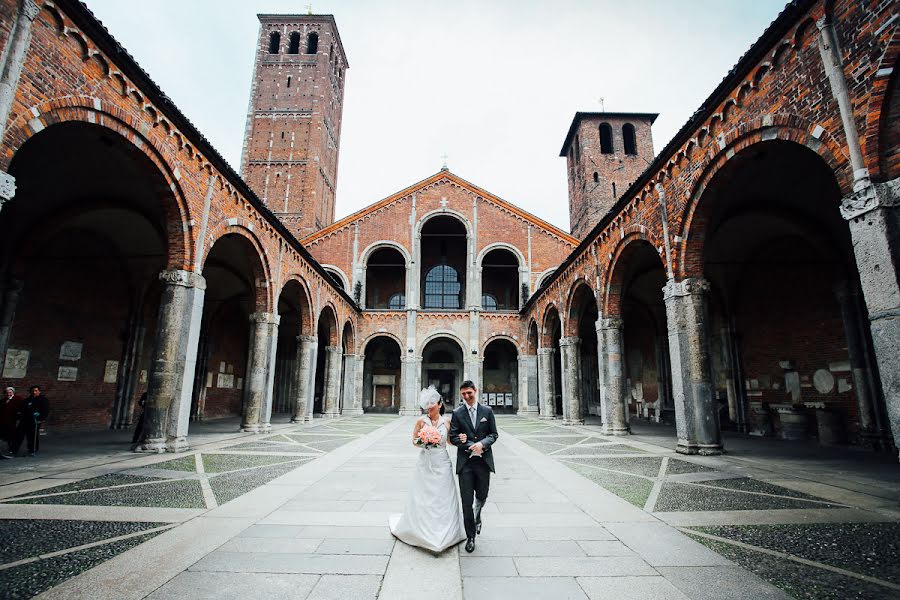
(388, 277)
(502, 336)
(688, 254)
(443, 333)
(533, 337)
(447, 212)
(306, 305)
(348, 337)
(574, 304)
(610, 297)
(550, 312)
(364, 256)
(372, 336)
(544, 276)
(99, 113)
(883, 97)
(345, 282)
(329, 313)
(262, 270)
(501, 246)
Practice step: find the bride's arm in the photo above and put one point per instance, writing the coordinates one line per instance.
(419, 424)
(447, 425)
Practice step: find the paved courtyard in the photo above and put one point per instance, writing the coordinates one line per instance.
(302, 513)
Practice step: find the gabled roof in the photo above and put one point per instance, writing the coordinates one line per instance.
(442, 174)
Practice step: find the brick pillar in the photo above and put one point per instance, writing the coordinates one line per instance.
(528, 377)
(696, 418)
(258, 371)
(613, 400)
(570, 347)
(545, 382)
(305, 385)
(332, 394)
(351, 402)
(871, 213)
(169, 388)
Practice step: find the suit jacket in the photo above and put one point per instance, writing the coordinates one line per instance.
(485, 431)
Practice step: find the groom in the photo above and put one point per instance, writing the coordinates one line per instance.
(474, 459)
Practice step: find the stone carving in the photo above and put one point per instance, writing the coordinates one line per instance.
(67, 374)
(610, 323)
(225, 380)
(183, 278)
(870, 197)
(823, 381)
(7, 187)
(30, 9)
(685, 287)
(111, 371)
(70, 351)
(16, 364)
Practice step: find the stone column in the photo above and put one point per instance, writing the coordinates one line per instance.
(545, 382)
(613, 395)
(13, 60)
(528, 396)
(351, 402)
(332, 393)
(870, 430)
(409, 386)
(128, 369)
(305, 387)
(696, 418)
(11, 295)
(358, 383)
(257, 371)
(871, 213)
(168, 407)
(265, 415)
(570, 347)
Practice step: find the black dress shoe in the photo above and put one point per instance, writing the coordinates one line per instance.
(470, 545)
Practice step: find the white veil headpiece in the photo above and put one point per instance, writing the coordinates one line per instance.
(429, 397)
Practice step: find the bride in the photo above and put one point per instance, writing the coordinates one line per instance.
(431, 518)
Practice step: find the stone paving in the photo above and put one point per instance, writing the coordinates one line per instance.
(302, 513)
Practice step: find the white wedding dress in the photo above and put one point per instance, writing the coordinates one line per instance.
(432, 518)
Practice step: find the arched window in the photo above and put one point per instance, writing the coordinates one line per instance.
(274, 42)
(606, 139)
(336, 278)
(489, 302)
(397, 302)
(289, 81)
(312, 43)
(596, 177)
(614, 190)
(443, 288)
(629, 140)
(577, 149)
(294, 43)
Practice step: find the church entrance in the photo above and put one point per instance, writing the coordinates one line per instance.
(442, 367)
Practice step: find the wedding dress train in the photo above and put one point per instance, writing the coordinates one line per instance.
(431, 518)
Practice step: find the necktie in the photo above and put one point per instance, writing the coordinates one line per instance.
(472, 416)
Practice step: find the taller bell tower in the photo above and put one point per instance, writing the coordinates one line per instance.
(606, 152)
(293, 132)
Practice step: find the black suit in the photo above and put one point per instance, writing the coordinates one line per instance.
(474, 472)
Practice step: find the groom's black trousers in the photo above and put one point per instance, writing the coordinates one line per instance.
(474, 480)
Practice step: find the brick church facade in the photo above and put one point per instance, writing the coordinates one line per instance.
(743, 277)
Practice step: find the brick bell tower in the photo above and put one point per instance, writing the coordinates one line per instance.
(293, 132)
(605, 152)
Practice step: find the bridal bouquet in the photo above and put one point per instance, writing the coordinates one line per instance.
(428, 437)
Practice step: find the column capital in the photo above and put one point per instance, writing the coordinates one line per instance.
(334, 349)
(30, 9)
(264, 317)
(7, 187)
(546, 351)
(350, 356)
(183, 278)
(869, 197)
(569, 341)
(609, 323)
(692, 286)
(309, 339)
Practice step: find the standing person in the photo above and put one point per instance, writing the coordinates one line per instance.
(9, 413)
(473, 431)
(34, 411)
(139, 427)
(430, 517)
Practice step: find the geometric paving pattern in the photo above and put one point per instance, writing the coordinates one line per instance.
(807, 560)
(38, 554)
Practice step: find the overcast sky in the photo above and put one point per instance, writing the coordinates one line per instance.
(493, 83)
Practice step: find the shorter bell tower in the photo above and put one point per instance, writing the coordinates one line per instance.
(605, 152)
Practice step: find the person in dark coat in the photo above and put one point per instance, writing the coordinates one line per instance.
(9, 414)
(33, 412)
(139, 427)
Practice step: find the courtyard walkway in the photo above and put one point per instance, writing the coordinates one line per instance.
(302, 513)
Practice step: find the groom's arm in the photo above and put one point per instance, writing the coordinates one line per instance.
(493, 434)
(454, 432)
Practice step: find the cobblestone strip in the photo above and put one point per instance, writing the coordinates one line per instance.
(657, 485)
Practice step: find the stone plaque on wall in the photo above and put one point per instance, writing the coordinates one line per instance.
(143, 375)
(70, 351)
(209, 380)
(225, 381)
(240, 383)
(16, 365)
(67, 374)
(111, 372)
